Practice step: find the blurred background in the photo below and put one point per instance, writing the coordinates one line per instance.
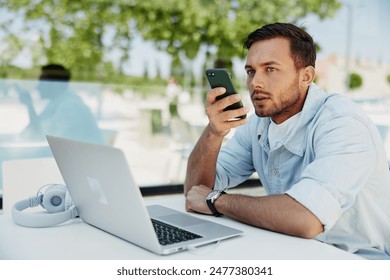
(136, 70)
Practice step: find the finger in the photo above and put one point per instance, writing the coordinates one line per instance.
(188, 207)
(221, 122)
(194, 200)
(229, 100)
(213, 93)
(228, 124)
(221, 116)
(234, 114)
(218, 107)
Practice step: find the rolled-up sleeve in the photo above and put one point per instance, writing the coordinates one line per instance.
(343, 160)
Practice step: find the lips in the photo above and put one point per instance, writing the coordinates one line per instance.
(259, 97)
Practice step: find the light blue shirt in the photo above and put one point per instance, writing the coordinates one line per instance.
(66, 115)
(332, 161)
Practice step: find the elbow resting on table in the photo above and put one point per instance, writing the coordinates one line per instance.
(310, 229)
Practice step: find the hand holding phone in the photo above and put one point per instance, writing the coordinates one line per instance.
(219, 77)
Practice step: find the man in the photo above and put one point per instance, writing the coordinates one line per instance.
(319, 157)
(65, 114)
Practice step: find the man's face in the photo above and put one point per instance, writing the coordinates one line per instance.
(273, 81)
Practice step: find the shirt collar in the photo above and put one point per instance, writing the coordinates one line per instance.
(295, 141)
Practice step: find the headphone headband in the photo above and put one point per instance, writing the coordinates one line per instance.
(57, 213)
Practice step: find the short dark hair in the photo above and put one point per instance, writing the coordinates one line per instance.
(302, 47)
(54, 72)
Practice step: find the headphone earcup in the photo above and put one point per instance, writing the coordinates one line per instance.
(68, 201)
(56, 199)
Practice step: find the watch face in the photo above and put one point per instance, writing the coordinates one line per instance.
(213, 194)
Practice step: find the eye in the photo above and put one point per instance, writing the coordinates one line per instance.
(250, 72)
(270, 69)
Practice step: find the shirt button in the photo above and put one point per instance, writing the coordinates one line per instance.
(274, 171)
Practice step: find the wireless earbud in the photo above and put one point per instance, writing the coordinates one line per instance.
(55, 199)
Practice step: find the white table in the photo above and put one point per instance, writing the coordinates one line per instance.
(78, 241)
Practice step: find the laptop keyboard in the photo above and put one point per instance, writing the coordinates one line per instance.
(168, 234)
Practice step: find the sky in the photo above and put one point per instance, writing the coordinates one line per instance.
(370, 38)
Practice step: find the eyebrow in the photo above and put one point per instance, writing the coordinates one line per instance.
(268, 63)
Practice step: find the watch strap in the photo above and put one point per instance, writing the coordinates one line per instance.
(212, 207)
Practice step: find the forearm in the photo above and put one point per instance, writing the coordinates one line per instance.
(33, 115)
(279, 213)
(201, 166)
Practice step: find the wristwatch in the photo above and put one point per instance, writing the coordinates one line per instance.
(211, 198)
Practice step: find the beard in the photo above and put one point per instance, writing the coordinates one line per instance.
(282, 105)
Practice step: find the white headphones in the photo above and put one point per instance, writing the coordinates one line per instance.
(55, 199)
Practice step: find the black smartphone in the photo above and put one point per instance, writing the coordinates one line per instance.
(220, 77)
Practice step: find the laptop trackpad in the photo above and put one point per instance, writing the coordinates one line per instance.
(181, 220)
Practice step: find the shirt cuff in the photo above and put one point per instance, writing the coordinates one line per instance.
(319, 200)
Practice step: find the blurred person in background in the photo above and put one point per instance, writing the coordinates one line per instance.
(65, 114)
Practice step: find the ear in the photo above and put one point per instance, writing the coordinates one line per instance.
(307, 76)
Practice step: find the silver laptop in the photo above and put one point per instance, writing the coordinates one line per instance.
(106, 196)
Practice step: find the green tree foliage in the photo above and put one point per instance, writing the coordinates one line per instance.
(71, 32)
(355, 81)
(80, 34)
